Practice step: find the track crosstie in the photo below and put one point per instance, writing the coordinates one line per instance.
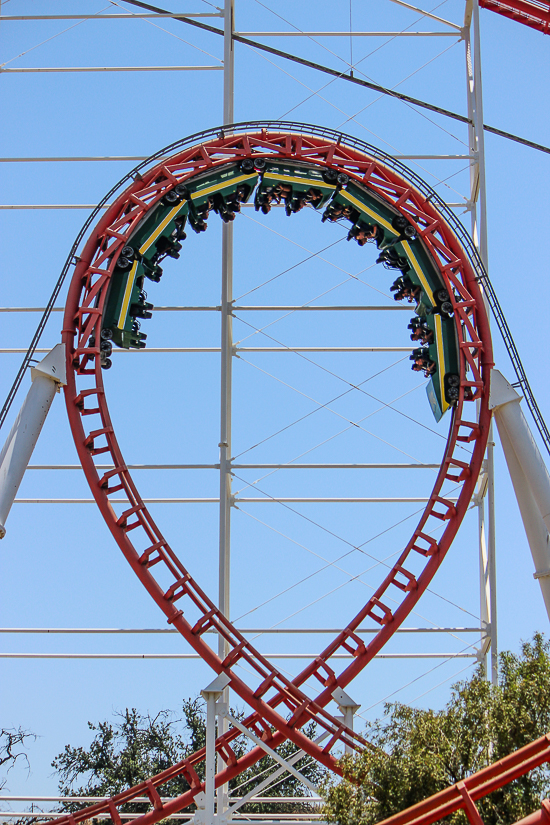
(280, 707)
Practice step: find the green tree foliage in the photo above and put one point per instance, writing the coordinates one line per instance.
(134, 747)
(420, 752)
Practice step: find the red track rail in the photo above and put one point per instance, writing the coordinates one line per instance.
(532, 13)
(541, 817)
(280, 706)
(463, 795)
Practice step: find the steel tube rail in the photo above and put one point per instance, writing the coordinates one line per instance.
(289, 818)
(73, 159)
(239, 309)
(187, 656)
(278, 630)
(433, 157)
(341, 500)
(349, 34)
(6, 18)
(243, 466)
(460, 205)
(43, 69)
(239, 500)
(427, 14)
(279, 799)
(133, 466)
(130, 467)
(335, 466)
(116, 501)
(68, 159)
(336, 308)
(188, 350)
(54, 205)
(150, 350)
(319, 349)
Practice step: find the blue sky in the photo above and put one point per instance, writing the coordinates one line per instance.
(59, 565)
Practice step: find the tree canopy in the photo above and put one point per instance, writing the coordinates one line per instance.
(134, 747)
(420, 752)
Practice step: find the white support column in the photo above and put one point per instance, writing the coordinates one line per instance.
(271, 778)
(529, 476)
(228, 60)
(476, 133)
(491, 555)
(472, 139)
(47, 378)
(211, 694)
(478, 205)
(285, 763)
(348, 708)
(226, 501)
(480, 135)
(484, 581)
(225, 427)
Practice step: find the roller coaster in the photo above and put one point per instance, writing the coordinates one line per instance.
(161, 231)
(383, 207)
(373, 195)
(427, 260)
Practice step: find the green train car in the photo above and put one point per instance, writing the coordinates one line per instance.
(420, 280)
(297, 185)
(223, 190)
(159, 235)
(395, 238)
(442, 354)
(126, 302)
(362, 208)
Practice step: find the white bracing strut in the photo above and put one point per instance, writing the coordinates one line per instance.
(528, 473)
(47, 378)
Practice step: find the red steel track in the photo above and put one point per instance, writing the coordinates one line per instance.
(280, 706)
(463, 795)
(532, 13)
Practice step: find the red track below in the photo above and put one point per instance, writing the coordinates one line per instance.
(532, 13)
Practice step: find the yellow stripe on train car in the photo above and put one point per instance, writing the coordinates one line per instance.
(361, 206)
(217, 187)
(127, 295)
(318, 184)
(162, 225)
(418, 269)
(173, 212)
(440, 360)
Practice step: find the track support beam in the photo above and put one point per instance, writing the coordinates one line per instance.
(211, 694)
(529, 476)
(227, 354)
(47, 378)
